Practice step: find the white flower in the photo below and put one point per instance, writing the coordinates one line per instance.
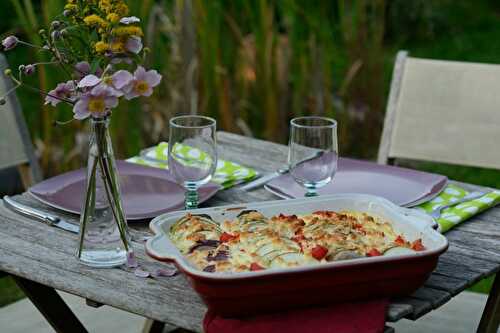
(129, 20)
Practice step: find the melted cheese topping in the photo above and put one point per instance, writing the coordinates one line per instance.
(254, 242)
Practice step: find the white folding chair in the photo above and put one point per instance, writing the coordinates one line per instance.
(448, 112)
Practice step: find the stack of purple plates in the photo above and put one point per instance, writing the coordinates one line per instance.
(146, 192)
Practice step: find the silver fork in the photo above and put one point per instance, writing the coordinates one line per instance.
(436, 213)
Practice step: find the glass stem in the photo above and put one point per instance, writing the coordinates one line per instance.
(311, 192)
(191, 196)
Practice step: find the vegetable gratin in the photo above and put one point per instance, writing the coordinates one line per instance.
(253, 242)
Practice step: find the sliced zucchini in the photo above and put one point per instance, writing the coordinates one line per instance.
(344, 255)
(288, 257)
(264, 248)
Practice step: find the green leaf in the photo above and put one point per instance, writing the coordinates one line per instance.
(94, 66)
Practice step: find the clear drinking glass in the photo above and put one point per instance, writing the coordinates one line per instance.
(192, 153)
(313, 152)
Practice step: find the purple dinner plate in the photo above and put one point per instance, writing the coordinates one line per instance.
(146, 191)
(404, 187)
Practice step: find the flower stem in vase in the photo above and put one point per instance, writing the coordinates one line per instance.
(104, 239)
(89, 205)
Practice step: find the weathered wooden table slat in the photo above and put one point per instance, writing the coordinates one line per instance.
(32, 250)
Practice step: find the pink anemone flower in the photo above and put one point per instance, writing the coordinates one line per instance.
(142, 84)
(134, 44)
(62, 92)
(97, 102)
(115, 82)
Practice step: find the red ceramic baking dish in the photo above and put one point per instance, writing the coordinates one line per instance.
(246, 293)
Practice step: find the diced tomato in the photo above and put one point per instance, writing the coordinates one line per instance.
(417, 245)
(256, 267)
(358, 226)
(225, 237)
(319, 252)
(373, 253)
(400, 240)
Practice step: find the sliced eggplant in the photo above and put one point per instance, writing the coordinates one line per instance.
(219, 256)
(204, 245)
(209, 268)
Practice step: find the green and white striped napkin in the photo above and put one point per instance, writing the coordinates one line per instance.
(455, 215)
(226, 174)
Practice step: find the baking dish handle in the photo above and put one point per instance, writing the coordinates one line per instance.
(420, 216)
(161, 248)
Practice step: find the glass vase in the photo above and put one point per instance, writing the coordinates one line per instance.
(103, 240)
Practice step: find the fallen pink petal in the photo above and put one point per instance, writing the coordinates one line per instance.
(131, 260)
(139, 272)
(166, 272)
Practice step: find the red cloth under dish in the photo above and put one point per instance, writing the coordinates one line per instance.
(356, 317)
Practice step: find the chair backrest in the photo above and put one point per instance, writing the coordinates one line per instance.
(16, 148)
(443, 111)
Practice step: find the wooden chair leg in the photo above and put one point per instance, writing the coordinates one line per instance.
(153, 326)
(490, 319)
(51, 305)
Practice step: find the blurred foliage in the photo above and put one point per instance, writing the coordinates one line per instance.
(251, 64)
(9, 292)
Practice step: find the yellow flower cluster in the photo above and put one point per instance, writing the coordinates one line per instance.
(113, 18)
(127, 31)
(105, 16)
(101, 47)
(71, 6)
(95, 21)
(113, 6)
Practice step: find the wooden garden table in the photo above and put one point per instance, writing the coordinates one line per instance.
(41, 259)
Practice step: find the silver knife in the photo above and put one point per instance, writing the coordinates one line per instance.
(264, 179)
(51, 220)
